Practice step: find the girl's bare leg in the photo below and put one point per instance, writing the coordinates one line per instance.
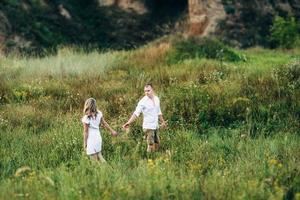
(94, 157)
(98, 157)
(102, 160)
(151, 148)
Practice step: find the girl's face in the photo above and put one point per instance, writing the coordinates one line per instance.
(89, 113)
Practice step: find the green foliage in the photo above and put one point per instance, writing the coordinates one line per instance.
(42, 27)
(233, 126)
(194, 47)
(27, 92)
(194, 107)
(289, 77)
(4, 91)
(185, 103)
(284, 32)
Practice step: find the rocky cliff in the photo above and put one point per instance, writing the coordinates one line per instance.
(35, 25)
(247, 23)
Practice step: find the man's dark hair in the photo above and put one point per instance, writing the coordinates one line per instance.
(149, 84)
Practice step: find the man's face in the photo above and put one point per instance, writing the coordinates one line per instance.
(148, 91)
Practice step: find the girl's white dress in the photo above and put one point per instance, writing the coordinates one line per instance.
(94, 140)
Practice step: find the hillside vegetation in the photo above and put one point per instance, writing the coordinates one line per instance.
(233, 123)
(41, 27)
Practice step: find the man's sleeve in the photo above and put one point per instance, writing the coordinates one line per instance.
(159, 110)
(138, 109)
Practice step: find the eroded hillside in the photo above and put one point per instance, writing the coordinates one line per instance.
(39, 27)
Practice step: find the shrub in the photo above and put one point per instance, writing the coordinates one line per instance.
(194, 47)
(289, 86)
(25, 93)
(193, 106)
(5, 91)
(185, 103)
(284, 32)
(289, 75)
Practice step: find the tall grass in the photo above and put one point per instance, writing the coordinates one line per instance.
(233, 126)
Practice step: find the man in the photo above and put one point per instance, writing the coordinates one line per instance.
(149, 105)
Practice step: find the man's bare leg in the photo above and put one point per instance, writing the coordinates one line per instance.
(156, 146)
(151, 148)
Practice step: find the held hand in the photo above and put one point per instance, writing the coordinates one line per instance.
(125, 126)
(114, 133)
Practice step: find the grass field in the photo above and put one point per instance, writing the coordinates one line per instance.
(233, 124)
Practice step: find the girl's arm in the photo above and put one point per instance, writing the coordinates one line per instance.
(85, 134)
(106, 125)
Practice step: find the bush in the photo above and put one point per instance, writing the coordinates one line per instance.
(284, 32)
(194, 47)
(194, 107)
(185, 103)
(27, 117)
(289, 86)
(25, 93)
(5, 91)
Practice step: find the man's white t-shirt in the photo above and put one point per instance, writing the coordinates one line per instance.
(151, 111)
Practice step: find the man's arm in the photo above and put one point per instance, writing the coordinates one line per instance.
(132, 119)
(163, 123)
(135, 115)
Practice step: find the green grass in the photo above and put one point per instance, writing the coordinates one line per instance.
(233, 126)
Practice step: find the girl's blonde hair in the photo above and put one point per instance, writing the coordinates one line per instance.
(90, 107)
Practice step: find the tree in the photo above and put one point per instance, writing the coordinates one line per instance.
(284, 32)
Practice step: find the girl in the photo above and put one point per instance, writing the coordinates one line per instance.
(92, 139)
